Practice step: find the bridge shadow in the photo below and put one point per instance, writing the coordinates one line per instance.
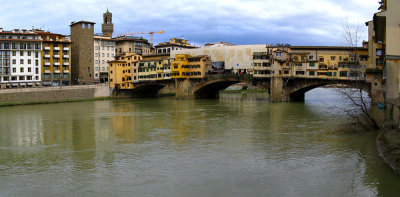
(211, 89)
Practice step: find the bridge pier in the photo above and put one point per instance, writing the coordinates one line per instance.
(184, 88)
(277, 90)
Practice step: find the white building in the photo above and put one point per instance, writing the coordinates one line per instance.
(104, 51)
(236, 57)
(20, 58)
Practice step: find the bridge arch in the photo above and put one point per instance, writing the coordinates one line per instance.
(297, 88)
(147, 90)
(211, 89)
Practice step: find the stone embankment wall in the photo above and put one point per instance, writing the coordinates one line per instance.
(54, 94)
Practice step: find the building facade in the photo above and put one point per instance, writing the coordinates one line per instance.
(384, 34)
(20, 58)
(174, 44)
(82, 52)
(238, 58)
(104, 51)
(123, 72)
(328, 62)
(155, 67)
(56, 59)
(186, 66)
(132, 44)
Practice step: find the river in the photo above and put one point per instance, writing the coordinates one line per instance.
(168, 147)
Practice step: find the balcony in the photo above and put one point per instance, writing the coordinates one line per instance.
(56, 63)
(66, 63)
(56, 71)
(47, 48)
(66, 71)
(56, 56)
(46, 56)
(66, 56)
(65, 49)
(47, 63)
(56, 48)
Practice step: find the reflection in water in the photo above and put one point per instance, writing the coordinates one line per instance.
(226, 147)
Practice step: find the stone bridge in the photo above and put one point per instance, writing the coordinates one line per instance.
(280, 89)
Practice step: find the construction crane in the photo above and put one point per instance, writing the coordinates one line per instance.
(151, 33)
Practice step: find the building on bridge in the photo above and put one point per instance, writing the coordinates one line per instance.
(323, 62)
(187, 67)
(238, 58)
(155, 67)
(123, 72)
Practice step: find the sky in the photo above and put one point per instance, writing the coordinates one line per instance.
(296, 22)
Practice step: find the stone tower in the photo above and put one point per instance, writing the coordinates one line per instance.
(108, 26)
(82, 53)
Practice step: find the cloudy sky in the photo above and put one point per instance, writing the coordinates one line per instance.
(297, 22)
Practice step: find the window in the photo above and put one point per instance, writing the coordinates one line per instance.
(21, 61)
(103, 69)
(29, 61)
(29, 69)
(14, 70)
(102, 54)
(311, 73)
(14, 61)
(21, 53)
(36, 70)
(333, 57)
(36, 62)
(21, 77)
(29, 53)
(96, 68)
(21, 70)
(278, 54)
(36, 54)
(14, 53)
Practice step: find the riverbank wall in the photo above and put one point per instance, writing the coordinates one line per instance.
(53, 94)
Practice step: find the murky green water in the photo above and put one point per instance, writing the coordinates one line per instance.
(168, 147)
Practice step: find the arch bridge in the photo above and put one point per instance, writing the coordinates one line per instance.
(280, 89)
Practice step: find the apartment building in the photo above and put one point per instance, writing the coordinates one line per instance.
(123, 72)
(186, 66)
(132, 44)
(104, 51)
(55, 59)
(175, 44)
(20, 58)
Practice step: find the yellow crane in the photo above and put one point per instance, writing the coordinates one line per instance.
(151, 33)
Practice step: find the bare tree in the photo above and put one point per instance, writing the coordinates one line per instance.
(360, 111)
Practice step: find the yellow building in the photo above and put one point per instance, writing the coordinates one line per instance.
(187, 67)
(56, 59)
(325, 62)
(155, 67)
(124, 71)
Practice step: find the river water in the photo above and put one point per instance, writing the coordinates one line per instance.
(168, 147)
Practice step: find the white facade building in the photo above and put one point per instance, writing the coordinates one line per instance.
(104, 51)
(20, 58)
